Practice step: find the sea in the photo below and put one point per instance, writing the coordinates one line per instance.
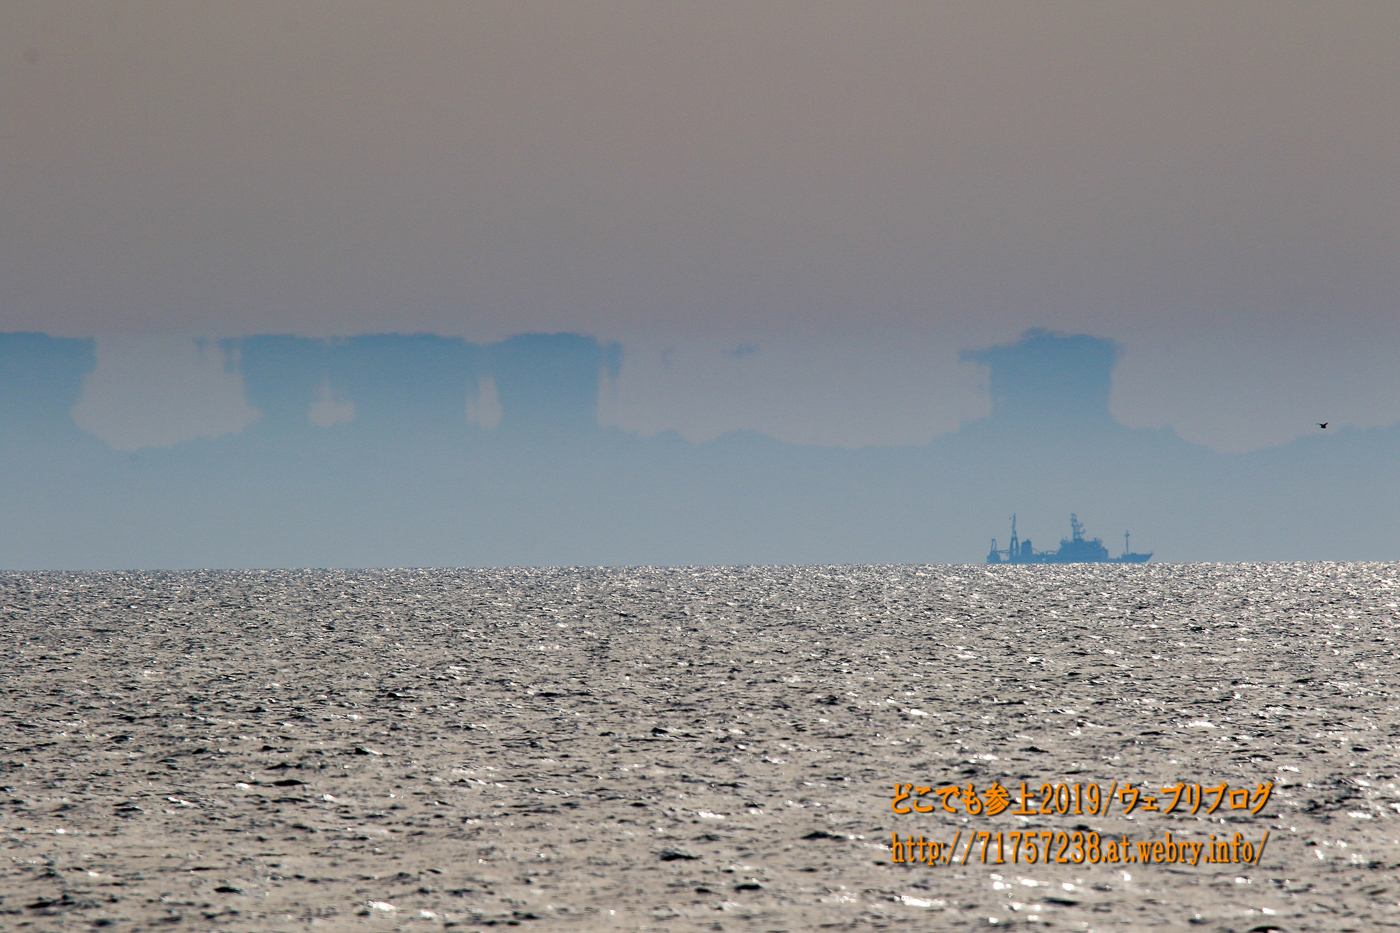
(1059, 747)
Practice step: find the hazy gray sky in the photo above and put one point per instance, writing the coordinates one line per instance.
(1211, 185)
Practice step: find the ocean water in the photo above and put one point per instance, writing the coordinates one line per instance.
(1090, 747)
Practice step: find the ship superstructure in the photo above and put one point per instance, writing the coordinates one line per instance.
(1075, 549)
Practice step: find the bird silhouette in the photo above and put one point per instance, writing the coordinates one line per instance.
(1322, 425)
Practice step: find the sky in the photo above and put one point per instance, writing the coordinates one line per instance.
(798, 219)
(794, 178)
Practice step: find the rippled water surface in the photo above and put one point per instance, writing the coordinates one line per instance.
(703, 748)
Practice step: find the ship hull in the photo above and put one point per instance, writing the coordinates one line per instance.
(1054, 559)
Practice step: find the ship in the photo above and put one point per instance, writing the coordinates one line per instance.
(1075, 549)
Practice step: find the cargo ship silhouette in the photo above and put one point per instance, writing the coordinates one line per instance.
(1073, 550)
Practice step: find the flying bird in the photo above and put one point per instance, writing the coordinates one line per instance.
(1322, 425)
